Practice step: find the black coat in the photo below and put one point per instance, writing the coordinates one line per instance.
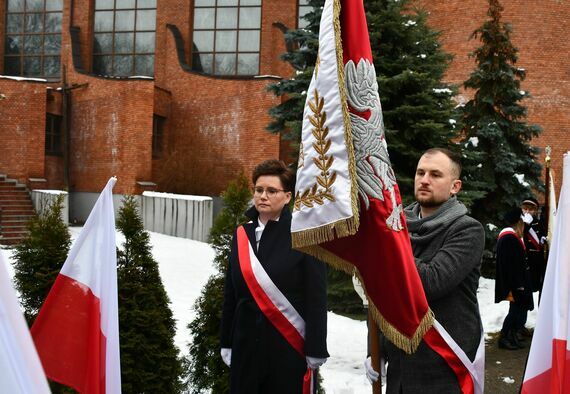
(512, 272)
(535, 255)
(262, 359)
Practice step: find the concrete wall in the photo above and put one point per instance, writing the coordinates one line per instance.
(178, 215)
(42, 199)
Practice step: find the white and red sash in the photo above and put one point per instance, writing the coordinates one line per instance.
(470, 375)
(272, 302)
(532, 236)
(510, 230)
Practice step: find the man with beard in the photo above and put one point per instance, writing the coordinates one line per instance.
(447, 246)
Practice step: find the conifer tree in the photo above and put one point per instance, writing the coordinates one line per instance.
(149, 357)
(206, 370)
(302, 48)
(416, 104)
(494, 125)
(40, 256)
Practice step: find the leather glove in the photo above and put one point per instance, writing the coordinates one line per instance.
(226, 354)
(314, 362)
(527, 218)
(371, 374)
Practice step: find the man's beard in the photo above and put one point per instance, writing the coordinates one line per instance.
(429, 202)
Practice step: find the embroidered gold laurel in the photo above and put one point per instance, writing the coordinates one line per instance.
(325, 179)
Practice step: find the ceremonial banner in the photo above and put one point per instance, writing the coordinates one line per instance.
(347, 208)
(20, 368)
(548, 366)
(77, 329)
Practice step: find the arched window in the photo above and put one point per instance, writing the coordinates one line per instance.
(304, 9)
(227, 35)
(124, 37)
(33, 38)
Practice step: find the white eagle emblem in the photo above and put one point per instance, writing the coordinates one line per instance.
(373, 169)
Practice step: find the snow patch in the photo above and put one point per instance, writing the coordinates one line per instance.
(440, 91)
(508, 380)
(185, 266)
(491, 227)
(50, 191)
(22, 78)
(188, 197)
(520, 178)
(410, 22)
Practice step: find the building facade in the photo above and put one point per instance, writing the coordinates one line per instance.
(147, 90)
(540, 31)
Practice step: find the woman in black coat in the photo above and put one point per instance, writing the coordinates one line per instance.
(260, 358)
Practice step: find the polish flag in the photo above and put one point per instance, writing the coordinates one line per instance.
(548, 366)
(77, 330)
(20, 368)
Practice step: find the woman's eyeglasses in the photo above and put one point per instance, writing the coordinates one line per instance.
(270, 191)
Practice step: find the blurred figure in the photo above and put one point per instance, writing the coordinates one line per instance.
(513, 279)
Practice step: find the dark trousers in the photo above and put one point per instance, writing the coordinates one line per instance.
(516, 317)
(263, 361)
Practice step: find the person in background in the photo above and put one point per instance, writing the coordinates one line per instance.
(534, 242)
(264, 357)
(512, 281)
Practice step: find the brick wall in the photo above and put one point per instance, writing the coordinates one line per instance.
(219, 123)
(540, 30)
(22, 129)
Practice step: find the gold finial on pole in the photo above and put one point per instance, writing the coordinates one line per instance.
(548, 151)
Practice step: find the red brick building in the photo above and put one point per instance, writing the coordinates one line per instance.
(540, 32)
(143, 89)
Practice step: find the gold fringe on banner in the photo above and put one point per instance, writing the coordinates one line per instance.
(344, 227)
(345, 115)
(407, 344)
(313, 236)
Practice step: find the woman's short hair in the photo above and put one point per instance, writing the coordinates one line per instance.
(275, 168)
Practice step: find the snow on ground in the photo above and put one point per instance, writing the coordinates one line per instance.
(186, 265)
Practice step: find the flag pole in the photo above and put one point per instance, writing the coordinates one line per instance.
(373, 332)
(548, 151)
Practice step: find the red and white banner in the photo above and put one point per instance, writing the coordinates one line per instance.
(272, 302)
(348, 210)
(77, 330)
(548, 366)
(20, 368)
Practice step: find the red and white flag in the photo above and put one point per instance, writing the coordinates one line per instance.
(20, 368)
(77, 329)
(548, 366)
(348, 211)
